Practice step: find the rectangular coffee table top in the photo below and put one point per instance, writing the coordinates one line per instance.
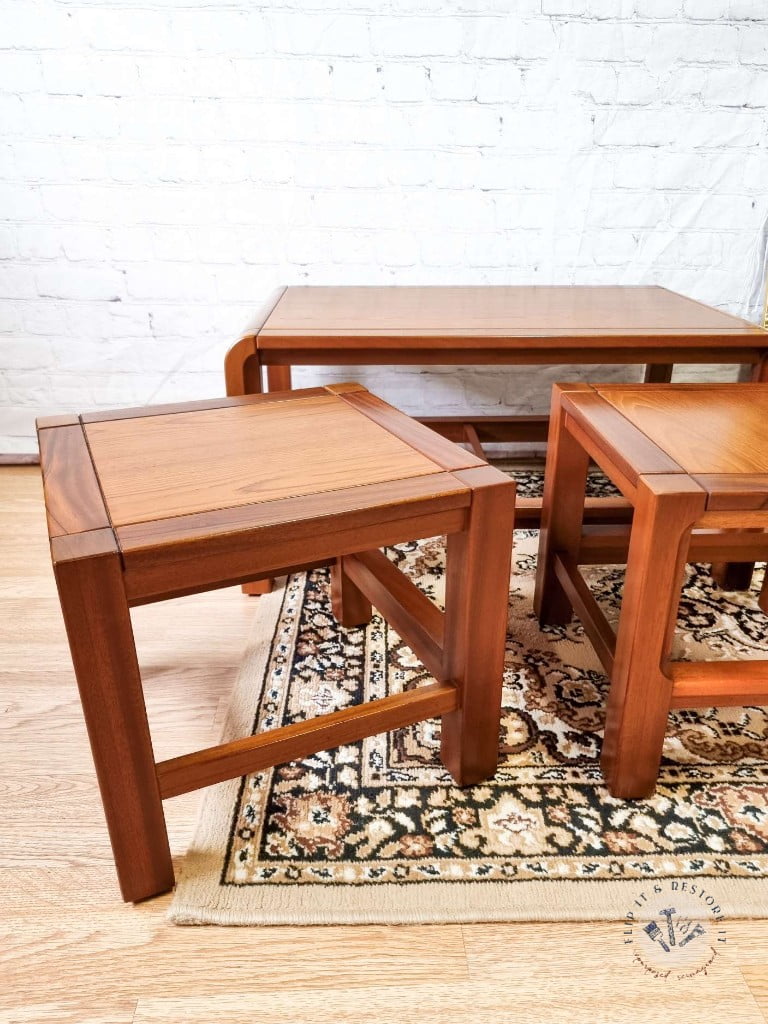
(440, 317)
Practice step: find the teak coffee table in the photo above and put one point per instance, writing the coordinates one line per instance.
(693, 462)
(319, 326)
(148, 504)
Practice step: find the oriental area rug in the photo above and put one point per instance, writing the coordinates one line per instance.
(375, 832)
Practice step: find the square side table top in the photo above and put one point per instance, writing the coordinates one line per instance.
(515, 316)
(247, 460)
(154, 467)
(714, 433)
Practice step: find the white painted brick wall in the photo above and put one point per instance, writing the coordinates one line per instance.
(164, 164)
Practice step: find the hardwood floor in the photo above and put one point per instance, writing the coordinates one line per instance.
(72, 953)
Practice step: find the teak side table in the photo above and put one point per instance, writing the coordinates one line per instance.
(148, 504)
(693, 462)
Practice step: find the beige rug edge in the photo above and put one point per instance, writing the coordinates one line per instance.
(199, 899)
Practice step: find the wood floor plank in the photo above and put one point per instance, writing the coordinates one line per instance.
(756, 976)
(71, 1012)
(575, 1001)
(131, 951)
(749, 940)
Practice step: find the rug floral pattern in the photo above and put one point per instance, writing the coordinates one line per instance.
(384, 810)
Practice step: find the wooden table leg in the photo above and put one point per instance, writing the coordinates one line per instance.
(639, 700)
(565, 481)
(104, 656)
(350, 605)
(476, 609)
(278, 378)
(658, 373)
(242, 369)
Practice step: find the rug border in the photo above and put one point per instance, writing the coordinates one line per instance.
(200, 899)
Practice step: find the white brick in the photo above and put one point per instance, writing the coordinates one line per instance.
(503, 38)
(24, 354)
(607, 41)
(114, 74)
(636, 86)
(20, 202)
(416, 37)
(747, 10)
(565, 7)
(43, 316)
(89, 203)
(71, 117)
(124, 29)
(17, 282)
(498, 83)
(30, 29)
(13, 115)
(600, 84)
(64, 281)
(20, 72)
(753, 45)
(658, 8)
(454, 125)
(715, 212)
(397, 249)
(411, 167)
(353, 247)
(329, 34)
(8, 242)
(755, 170)
(628, 127)
(130, 243)
(684, 171)
(678, 43)
(79, 160)
(634, 169)
(342, 168)
(444, 249)
(209, 243)
(179, 281)
(706, 10)
(405, 83)
(453, 81)
(353, 80)
(85, 242)
(38, 242)
(66, 73)
(627, 211)
(736, 87)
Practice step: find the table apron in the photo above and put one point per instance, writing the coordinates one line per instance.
(573, 355)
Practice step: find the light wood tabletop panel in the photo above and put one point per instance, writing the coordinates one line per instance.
(706, 429)
(527, 316)
(155, 467)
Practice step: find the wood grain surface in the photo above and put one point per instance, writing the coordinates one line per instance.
(707, 430)
(159, 466)
(72, 953)
(73, 499)
(314, 317)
